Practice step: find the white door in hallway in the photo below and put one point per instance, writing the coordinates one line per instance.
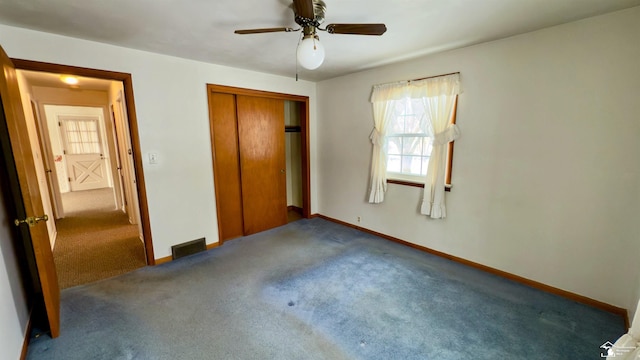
(83, 147)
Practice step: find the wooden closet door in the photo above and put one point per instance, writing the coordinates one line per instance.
(226, 165)
(262, 162)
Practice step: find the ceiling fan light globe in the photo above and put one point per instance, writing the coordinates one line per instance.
(310, 53)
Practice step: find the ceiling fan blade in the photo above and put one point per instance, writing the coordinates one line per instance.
(265, 30)
(304, 8)
(357, 29)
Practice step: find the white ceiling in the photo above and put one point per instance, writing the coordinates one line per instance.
(37, 78)
(203, 30)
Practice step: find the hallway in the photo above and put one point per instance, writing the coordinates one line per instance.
(94, 241)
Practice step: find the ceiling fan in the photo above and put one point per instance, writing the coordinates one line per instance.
(309, 14)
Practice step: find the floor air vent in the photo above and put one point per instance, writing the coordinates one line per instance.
(188, 248)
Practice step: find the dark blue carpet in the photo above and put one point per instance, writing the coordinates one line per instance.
(317, 290)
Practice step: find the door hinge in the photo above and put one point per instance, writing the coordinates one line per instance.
(59, 123)
(69, 179)
(64, 152)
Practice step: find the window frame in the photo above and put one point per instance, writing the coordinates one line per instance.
(406, 180)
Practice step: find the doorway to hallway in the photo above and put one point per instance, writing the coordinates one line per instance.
(100, 213)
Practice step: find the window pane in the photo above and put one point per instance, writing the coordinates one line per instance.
(399, 106)
(393, 163)
(425, 165)
(73, 137)
(412, 146)
(411, 165)
(413, 124)
(414, 114)
(397, 125)
(427, 146)
(394, 145)
(82, 136)
(72, 126)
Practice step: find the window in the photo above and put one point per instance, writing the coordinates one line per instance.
(81, 136)
(413, 137)
(409, 145)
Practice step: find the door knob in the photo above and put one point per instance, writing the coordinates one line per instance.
(31, 220)
(282, 171)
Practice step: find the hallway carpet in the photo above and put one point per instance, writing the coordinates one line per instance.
(94, 241)
(313, 289)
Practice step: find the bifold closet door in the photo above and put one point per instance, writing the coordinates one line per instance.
(262, 162)
(224, 132)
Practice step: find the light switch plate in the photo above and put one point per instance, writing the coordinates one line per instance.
(153, 158)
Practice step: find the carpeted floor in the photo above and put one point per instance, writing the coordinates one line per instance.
(94, 241)
(313, 289)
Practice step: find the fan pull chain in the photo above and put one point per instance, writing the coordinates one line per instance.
(296, 57)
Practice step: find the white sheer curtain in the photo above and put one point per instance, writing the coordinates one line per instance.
(382, 98)
(439, 101)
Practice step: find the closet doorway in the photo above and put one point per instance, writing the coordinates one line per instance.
(260, 152)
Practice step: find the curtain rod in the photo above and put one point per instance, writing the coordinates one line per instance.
(424, 78)
(436, 76)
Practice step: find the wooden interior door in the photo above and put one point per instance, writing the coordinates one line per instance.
(24, 163)
(226, 165)
(262, 162)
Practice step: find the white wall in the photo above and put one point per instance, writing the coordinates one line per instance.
(171, 107)
(546, 170)
(13, 305)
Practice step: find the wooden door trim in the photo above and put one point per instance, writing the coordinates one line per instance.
(303, 102)
(305, 162)
(127, 82)
(256, 93)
